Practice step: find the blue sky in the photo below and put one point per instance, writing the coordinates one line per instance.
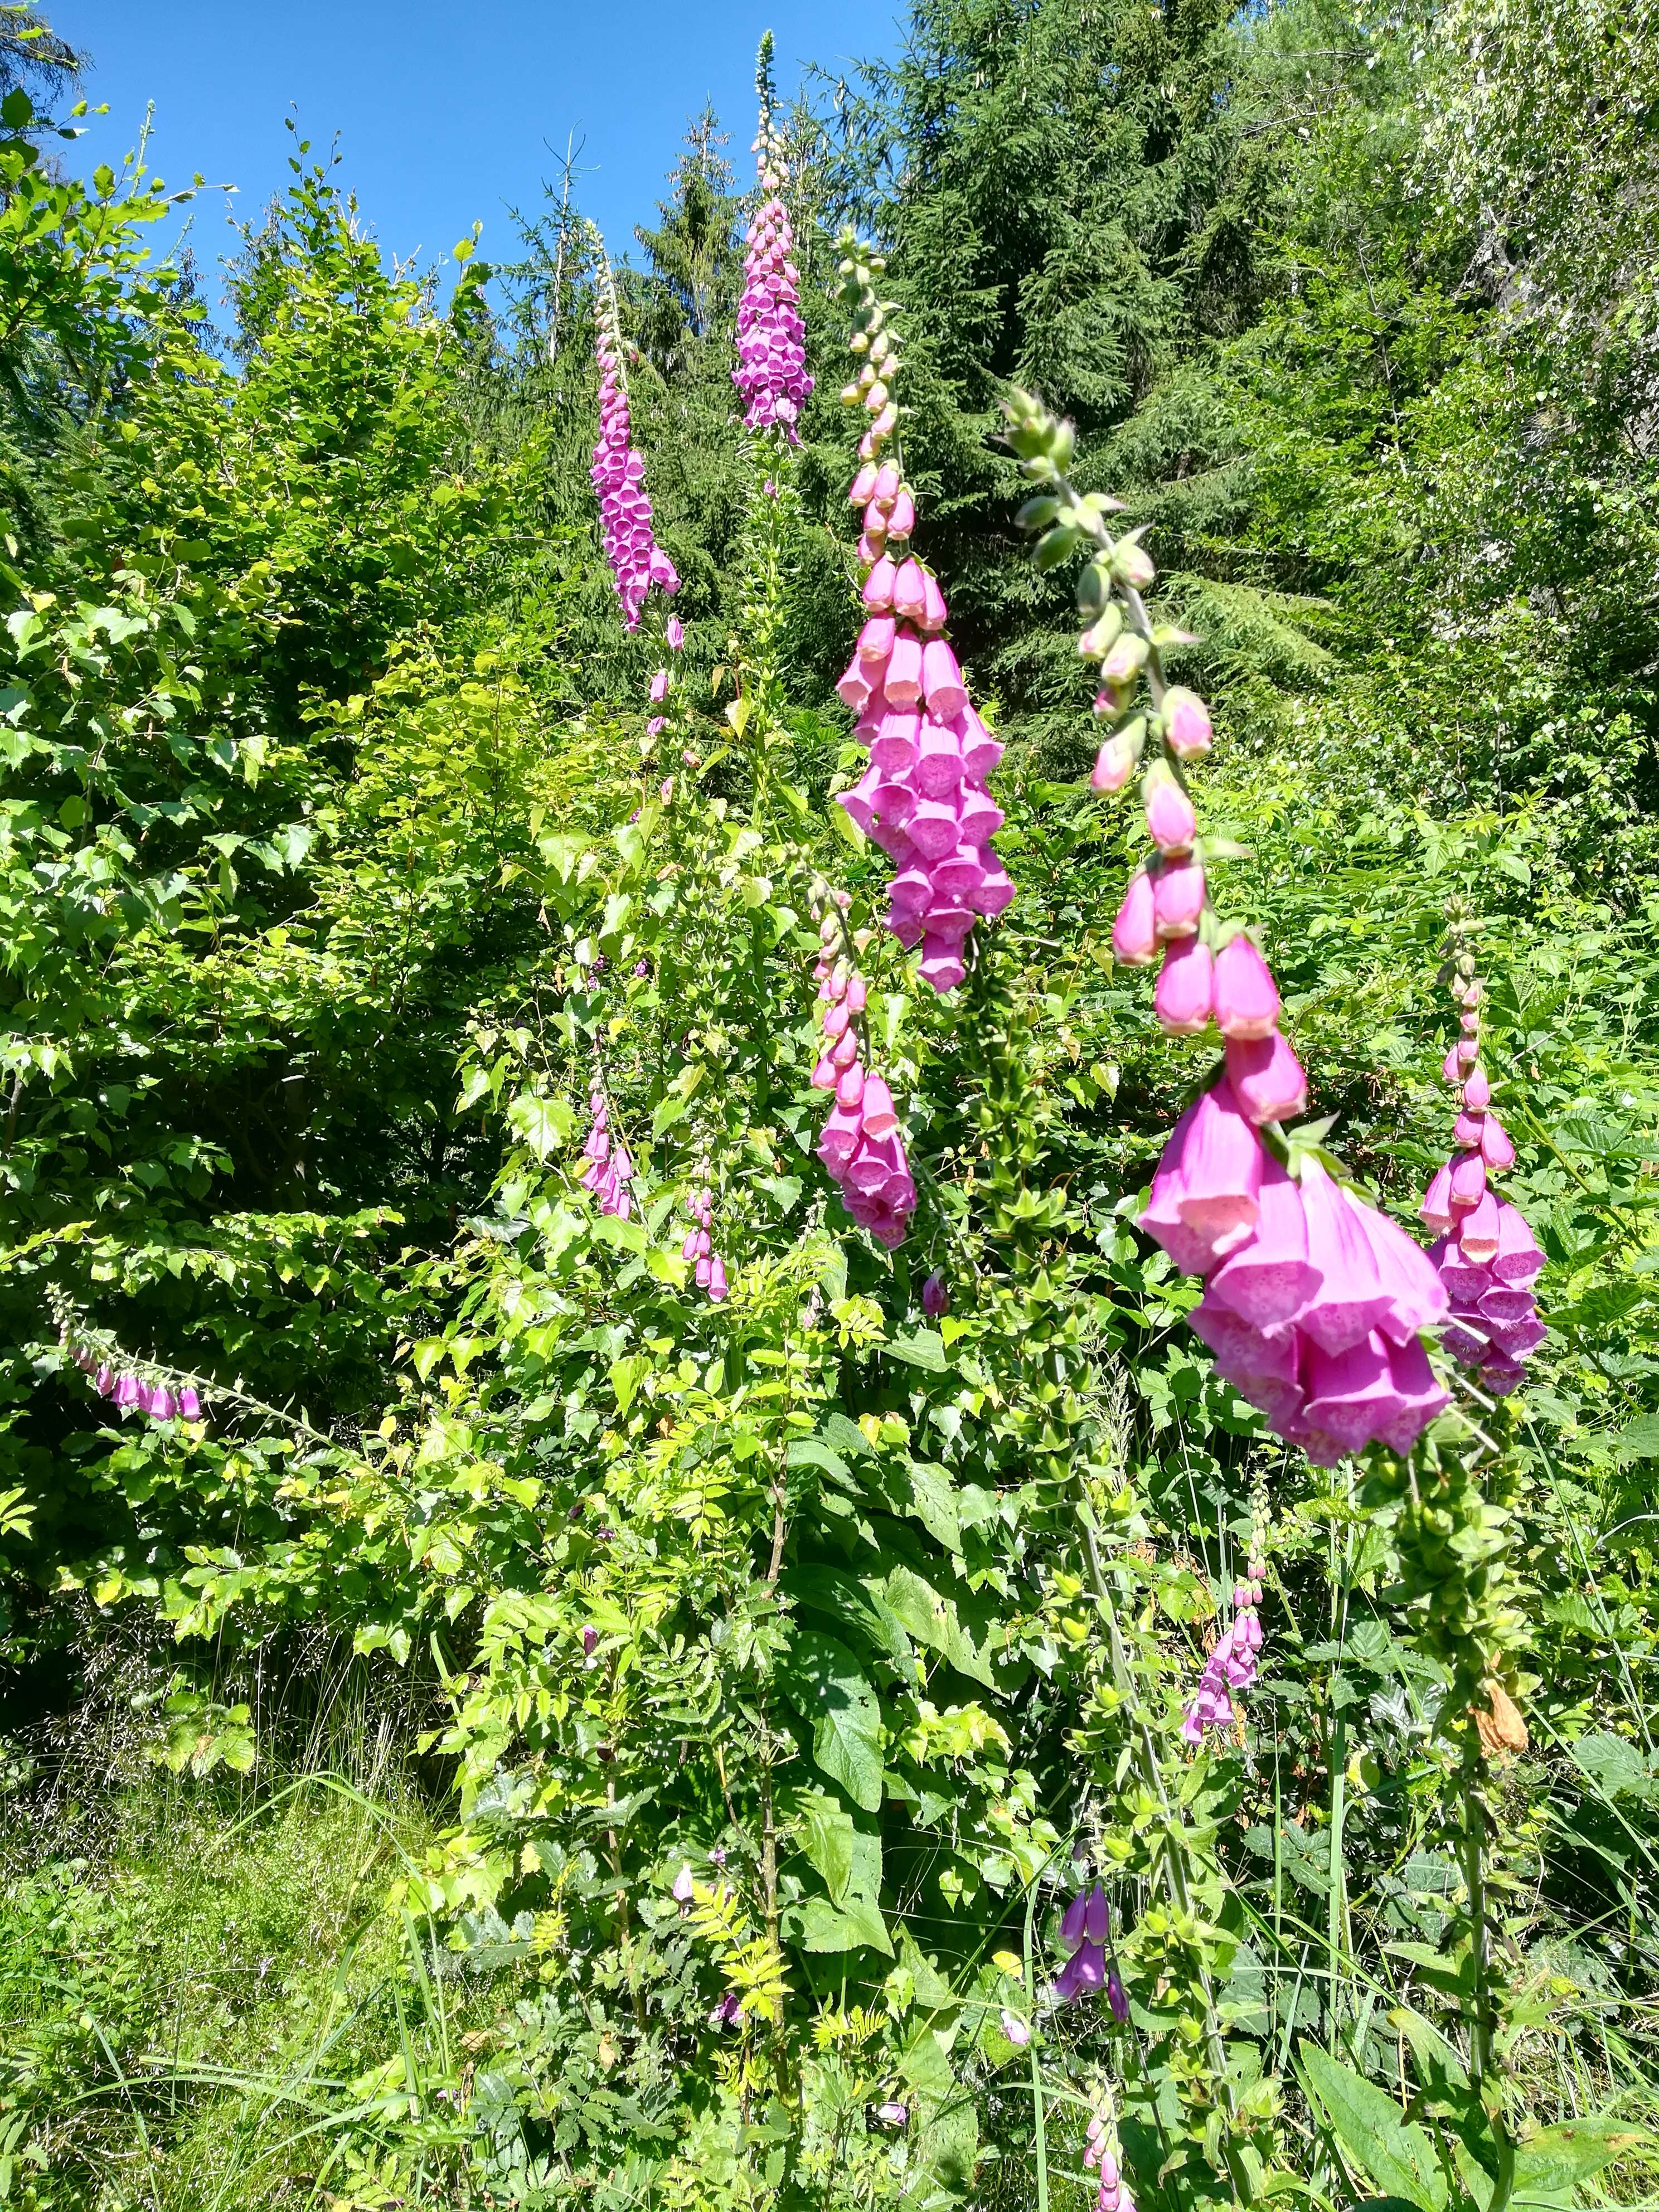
(446, 113)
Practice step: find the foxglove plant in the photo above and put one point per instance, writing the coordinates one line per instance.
(132, 1387)
(923, 797)
(1232, 1664)
(1085, 1930)
(862, 1144)
(1487, 1255)
(771, 372)
(1315, 1301)
(1101, 2150)
(709, 1266)
(610, 1170)
(635, 559)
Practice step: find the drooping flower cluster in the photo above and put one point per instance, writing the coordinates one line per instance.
(1232, 1664)
(610, 1170)
(131, 1388)
(771, 372)
(1113, 2195)
(1313, 1299)
(1085, 1929)
(700, 1205)
(923, 797)
(1487, 1255)
(635, 559)
(131, 1392)
(861, 1144)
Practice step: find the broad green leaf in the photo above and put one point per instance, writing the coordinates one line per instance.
(932, 1619)
(1561, 2157)
(824, 1681)
(1391, 2151)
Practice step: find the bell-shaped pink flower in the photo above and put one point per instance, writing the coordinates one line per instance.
(1437, 1206)
(1267, 1078)
(933, 612)
(675, 633)
(1178, 897)
(1170, 822)
(875, 641)
(1246, 996)
(854, 685)
(880, 1114)
(1477, 1090)
(1516, 1258)
(1269, 1280)
(1203, 1201)
(909, 591)
(659, 687)
(1351, 1300)
(878, 594)
(935, 1295)
(1185, 992)
(1134, 933)
(1496, 1147)
(1468, 1181)
(947, 695)
(893, 747)
(1478, 1230)
(1405, 1272)
(190, 1406)
(1115, 763)
(1186, 723)
(938, 767)
(849, 1085)
(717, 1277)
(902, 685)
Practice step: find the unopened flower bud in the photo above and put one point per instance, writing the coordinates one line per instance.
(1187, 728)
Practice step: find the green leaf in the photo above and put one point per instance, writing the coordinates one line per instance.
(932, 1619)
(824, 1683)
(1561, 2157)
(934, 1504)
(857, 1604)
(925, 1348)
(1392, 2151)
(826, 1839)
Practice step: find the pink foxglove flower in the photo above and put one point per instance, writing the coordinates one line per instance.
(1170, 822)
(1488, 1257)
(771, 372)
(1134, 933)
(635, 560)
(1186, 723)
(1246, 996)
(1185, 993)
(1178, 897)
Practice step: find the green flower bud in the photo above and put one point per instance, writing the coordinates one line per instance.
(1099, 639)
(1132, 564)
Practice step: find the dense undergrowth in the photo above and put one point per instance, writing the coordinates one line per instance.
(545, 1736)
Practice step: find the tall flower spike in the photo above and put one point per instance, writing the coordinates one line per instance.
(862, 1144)
(635, 559)
(771, 372)
(1488, 1257)
(1314, 1301)
(924, 801)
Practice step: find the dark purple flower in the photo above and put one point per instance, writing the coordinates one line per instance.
(590, 1642)
(935, 1295)
(1116, 1997)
